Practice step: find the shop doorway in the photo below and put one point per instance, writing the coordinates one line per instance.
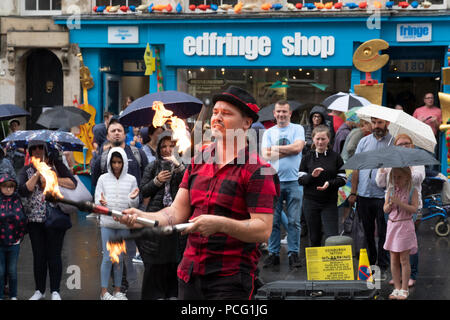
(113, 95)
(44, 84)
(409, 91)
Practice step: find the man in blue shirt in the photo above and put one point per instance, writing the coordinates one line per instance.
(369, 197)
(282, 146)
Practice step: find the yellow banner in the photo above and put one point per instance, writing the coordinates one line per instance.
(330, 263)
(149, 61)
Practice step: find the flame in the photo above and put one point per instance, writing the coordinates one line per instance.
(115, 249)
(179, 134)
(161, 114)
(178, 126)
(51, 180)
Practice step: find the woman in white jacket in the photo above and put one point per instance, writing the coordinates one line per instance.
(116, 190)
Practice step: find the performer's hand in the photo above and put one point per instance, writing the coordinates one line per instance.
(205, 224)
(316, 172)
(134, 193)
(324, 187)
(103, 201)
(129, 217)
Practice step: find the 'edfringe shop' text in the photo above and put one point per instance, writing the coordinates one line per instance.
(251, 47)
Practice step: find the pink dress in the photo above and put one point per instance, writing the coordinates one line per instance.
(400, 233)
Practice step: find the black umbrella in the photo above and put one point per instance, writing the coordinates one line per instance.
(139, 112)
(266, 113)
(10, 111)
(66, 140)
(63, 117)
(390, 157)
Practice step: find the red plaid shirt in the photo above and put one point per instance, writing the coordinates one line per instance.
(234, 191)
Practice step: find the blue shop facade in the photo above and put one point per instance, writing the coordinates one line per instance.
(304, 58)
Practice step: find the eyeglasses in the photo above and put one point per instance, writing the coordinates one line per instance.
(405, 144)
(429, 97)
(317, 116)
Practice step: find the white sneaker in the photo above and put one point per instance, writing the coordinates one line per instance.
(284, 240)
(120, 296)
(37, 296)
(56, 296)
(13, 298)
(107, 296)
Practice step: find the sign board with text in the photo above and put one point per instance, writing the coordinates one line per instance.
(330, 263)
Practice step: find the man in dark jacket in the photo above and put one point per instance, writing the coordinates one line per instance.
(161, 253)
(137, 160)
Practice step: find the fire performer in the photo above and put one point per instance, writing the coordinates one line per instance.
(46, 243)
(229, 198)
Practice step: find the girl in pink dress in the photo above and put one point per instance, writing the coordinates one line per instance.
(401, 202)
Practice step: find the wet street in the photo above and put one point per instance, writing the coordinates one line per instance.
(82, 259)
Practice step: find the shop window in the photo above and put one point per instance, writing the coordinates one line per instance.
(117, 3)
(41, 7)
(308, 86)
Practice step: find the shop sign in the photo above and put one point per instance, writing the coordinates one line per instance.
(251, 47)
(123, 34)
(414, 32)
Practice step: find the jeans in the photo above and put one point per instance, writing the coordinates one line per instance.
(292, 192)
(47, 246)
(371, 211)
(105, 269)
(9, 254)
(321, 218)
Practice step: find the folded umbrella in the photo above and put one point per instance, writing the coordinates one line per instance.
(64, 140)
(390, 157)
(400, 122)
(140, 113)
(343, 101)
(63, 117)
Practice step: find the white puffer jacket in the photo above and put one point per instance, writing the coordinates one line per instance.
(116, 191)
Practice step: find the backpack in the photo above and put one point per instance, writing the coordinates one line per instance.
(104, 158)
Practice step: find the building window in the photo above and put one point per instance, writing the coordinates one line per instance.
(41, 7)
(268, 85)
(127, 3)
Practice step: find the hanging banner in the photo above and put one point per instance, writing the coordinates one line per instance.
(149, 61)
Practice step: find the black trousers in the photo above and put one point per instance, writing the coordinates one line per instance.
(159, 281)
(371, 212)
(239, 286)
(46, 245)
(321, 219)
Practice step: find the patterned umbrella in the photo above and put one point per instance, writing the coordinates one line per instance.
(64, 140)
(344, 101)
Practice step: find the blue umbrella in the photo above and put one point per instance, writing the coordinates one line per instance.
(58, 139)
(139, 112)
(10, 111)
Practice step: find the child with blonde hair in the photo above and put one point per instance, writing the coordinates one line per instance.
(401, 202)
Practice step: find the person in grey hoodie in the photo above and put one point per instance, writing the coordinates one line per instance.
(116, 190)
(317, 116)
